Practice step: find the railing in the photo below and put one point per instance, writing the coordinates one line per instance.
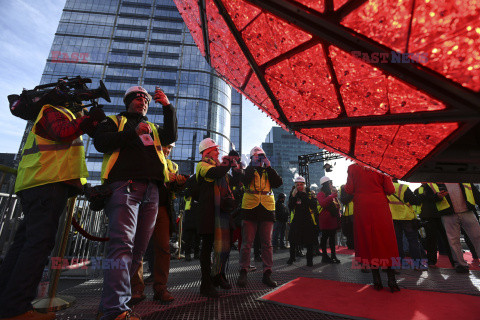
(79, 250)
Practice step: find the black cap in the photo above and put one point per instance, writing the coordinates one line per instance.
(234, 153)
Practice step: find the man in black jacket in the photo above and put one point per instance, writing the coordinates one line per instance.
(135, 168)
(281, 217)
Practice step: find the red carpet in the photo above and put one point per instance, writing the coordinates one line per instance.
(442, 261)
(362, 301)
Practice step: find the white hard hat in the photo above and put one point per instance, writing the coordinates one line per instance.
(256, 150)
(137, 89)
(299, 179)
(324, 179)
(206, 144)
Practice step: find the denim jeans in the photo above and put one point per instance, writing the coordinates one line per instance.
(249, 228)
(22, 268)
(279, 234)
(131, 211)
(411, 233)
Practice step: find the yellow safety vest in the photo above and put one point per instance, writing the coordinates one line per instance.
(348, 209)
(443, 204)
(172, 166)
(188, 203)
(109, 159)
(400, 210)
(47, 161)
(259, 192)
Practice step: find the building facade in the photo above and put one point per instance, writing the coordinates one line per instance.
(145, 42)
(282, 149)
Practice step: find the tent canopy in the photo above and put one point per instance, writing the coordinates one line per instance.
(390, 84)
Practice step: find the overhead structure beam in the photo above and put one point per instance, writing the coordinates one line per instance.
(251, 60)
(389, 119)
(206, 38)
(327, 29)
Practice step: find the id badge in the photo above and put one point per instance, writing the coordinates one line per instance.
(146, 139)
(299, 201)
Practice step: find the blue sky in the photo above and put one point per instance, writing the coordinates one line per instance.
(28, 28)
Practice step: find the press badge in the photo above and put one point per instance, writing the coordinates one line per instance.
(146, 139)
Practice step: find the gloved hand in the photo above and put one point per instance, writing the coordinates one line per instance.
(96, 114)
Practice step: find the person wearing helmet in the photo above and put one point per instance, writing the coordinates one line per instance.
(329, 218)
(281, 219)
(158, 250)
(136, 170)
(215, 203)
(52, 169)
(258, 209)
(303, 227)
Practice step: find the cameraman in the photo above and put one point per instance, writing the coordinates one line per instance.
(258, 208)
(51, 170)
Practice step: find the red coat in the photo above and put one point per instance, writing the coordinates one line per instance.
(373, 225)
(328, 220)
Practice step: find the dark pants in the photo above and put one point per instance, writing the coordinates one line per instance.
(347, 230)
(436, 232)
(192, 242)
(22, 268)
(309, 252)
(330, 235)
(206, 259)
(278, 238)
(411, 233)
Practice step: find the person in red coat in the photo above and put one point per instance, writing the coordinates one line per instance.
(328, 218)
(375, 241)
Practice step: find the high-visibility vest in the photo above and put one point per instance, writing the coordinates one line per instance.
(443, 204)
(259, 192)
(400, 210)
(109, 159)
(188, 203)
(172, 166)
(47, 161)
(348, 209)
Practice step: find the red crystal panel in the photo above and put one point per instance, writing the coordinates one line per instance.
(267, 37)
(336, 138)
(384, 21)
(190, 13)
(241, 12)
(372, 142)
(313, 4)
(449, 32)
(226, 55)
(303, 85)
(404, 98)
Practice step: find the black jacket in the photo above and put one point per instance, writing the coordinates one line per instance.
(281, 211)
(303, 230)
(135, 160)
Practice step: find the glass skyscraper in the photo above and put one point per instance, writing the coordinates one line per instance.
(282, 149)
(145, 42)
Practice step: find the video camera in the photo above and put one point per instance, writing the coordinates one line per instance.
(66, 92)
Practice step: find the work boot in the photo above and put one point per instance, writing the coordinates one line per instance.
(163, 296)
(267, 279)
(208, 290)
(33, 315)
(136, 298)
(290, 261)
(220, 280)
(309, 262)
(392, 282)
(242, 279)
(334, 258)
(326, 258)
(128, 315)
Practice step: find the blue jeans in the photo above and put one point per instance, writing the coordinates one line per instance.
(278, 237)
(411, 234)
(22, 269)
(249, 228)
(131, 212)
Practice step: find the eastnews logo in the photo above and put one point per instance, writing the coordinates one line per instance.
(94, 263)
(392, 57)
(394, 263)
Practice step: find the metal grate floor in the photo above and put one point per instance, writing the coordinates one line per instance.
(241, 303)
